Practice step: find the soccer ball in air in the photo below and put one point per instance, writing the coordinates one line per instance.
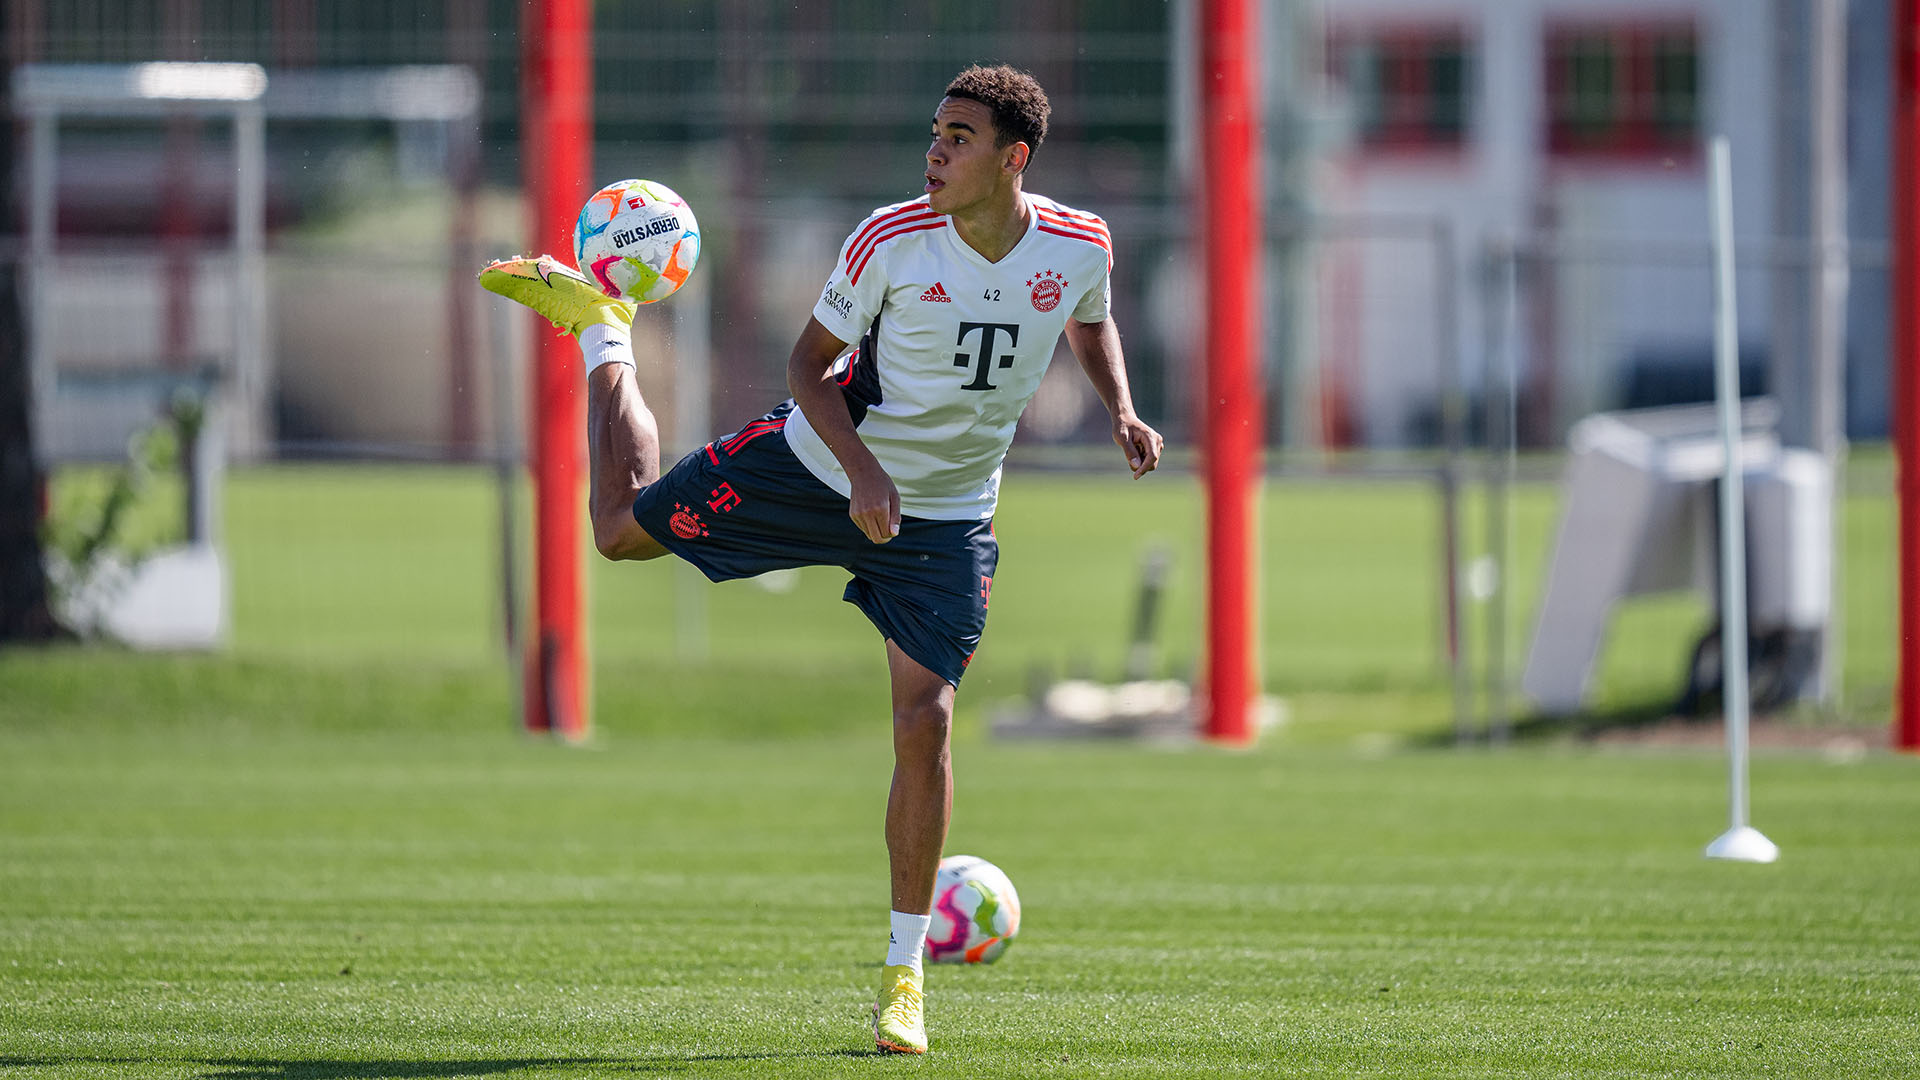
(637, 240)
(975, 912)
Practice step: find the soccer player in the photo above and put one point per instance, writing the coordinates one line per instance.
(927, 343)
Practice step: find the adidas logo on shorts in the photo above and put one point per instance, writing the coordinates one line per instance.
(937, 294)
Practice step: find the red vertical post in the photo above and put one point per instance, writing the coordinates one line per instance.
(1229, 129)
(556, 119)
(1906, 358)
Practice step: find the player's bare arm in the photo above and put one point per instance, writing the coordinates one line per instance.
(1097, 347)
(874, 504)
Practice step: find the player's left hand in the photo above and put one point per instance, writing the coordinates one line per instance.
(1142, 443)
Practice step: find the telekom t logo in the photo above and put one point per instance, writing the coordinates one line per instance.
(988, 331)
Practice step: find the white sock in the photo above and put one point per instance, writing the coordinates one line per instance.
(602, 344)
(908, 938)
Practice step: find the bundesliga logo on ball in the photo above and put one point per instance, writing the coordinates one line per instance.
(976, 913)
(636, 240)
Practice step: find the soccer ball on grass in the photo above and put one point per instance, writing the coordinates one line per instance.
(976, 913)
(637, 240)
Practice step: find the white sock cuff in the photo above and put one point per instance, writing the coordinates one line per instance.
(602, 344)
(908, 938)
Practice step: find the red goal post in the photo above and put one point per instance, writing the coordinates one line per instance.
(1229, 140)
(1906, 359)
(556, 140)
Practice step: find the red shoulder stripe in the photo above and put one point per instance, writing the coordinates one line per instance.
(1087, 237)
(881, 221)
(939, 223)
(1077, 215)
(857, 257)
(1078, 221)
(1075, 230)
(1095, 226)
(1059, 230)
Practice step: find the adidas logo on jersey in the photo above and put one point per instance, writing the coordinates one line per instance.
(937, 294)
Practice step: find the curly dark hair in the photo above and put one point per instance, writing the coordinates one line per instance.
(1020, 108)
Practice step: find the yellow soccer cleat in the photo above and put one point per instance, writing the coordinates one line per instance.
(898, 1023)
(558, 292)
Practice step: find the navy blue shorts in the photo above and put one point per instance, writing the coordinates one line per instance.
(744, 505)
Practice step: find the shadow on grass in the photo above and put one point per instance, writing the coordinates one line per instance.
(296, 1069)
(1588, 726)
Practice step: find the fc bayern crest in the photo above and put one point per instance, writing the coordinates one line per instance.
(1047, 287)
(686, 523)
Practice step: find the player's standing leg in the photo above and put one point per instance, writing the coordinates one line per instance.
(623, 438)
(921, 801)
(919, 807)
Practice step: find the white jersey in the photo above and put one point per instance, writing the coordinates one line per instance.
(951, 347)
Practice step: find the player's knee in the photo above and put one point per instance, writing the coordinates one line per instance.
(922, 726)
(621, 537)
(610, 540)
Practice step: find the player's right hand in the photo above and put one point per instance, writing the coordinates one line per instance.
(875, 504)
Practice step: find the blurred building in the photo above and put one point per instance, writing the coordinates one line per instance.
(783, 124)
(1574, 129)
(1569, 126)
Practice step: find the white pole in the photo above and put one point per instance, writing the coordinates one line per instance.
(1741, 841)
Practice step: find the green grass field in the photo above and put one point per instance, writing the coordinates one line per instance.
(327, 853)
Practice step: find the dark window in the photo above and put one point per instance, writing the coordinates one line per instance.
(1410, 87)
(1629, 90)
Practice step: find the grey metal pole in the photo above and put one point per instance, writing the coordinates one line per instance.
(1293, 367)
(1806, 373)
(253, 426)
(42, 195)
(1830, 268)
(503, 333)
(1483, 585)
(1831, 281)
(1509, 477)
(1453, 423)
(1789, 316)
(1502, 407)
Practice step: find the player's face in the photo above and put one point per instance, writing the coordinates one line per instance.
(964, 167)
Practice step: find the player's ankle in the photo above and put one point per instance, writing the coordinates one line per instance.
(602, 344)
(906, 938)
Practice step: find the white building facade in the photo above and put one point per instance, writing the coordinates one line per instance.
(1573, 129)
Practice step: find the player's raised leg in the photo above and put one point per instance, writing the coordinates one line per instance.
(918, 810)
(921, 801)
(623, 443)
(623, 438)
